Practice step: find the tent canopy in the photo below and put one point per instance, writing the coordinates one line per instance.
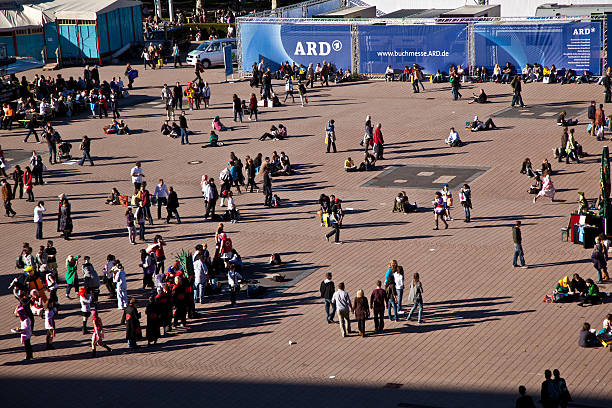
(79, 9)
(20, 18)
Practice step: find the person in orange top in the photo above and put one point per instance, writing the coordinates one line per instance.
(9, 116)
(190, 92)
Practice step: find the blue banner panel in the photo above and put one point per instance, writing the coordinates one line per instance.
(431, 46)
(566, 45)
(227, 60)
(302, 43)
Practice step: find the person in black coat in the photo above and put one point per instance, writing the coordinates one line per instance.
(172, 206)
(267, 187)
(133, 332)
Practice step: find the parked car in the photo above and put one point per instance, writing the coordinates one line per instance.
(210, 53)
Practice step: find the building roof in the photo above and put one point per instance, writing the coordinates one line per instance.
(78, 9)
(416, 13)
(469, 10)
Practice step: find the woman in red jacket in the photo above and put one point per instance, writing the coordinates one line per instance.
(27, 183)
(378, 142)
(253, 107)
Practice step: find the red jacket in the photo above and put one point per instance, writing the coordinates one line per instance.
(378, 137)
(27, 179)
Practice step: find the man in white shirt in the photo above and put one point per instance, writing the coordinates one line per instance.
(161, 194)
(201, 277)
(389, 74)
(137, 176)
(342, 301)
(233, 279)
(453, 139)
(38, 218)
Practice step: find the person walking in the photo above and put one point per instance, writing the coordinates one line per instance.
(177, 96)
(550, 392)
(38, 218)
(176, 55)
(161, 195)
(86, 149)
(31, 126)
(302, 93)
(379, 142)
(606, 81)
(114, 104)
(137, 175)
(342, 302)
(17, 176)
(51, 140)
(65, 219)
(120, 280)
(564, 394)
(369, 133)
(251, 171)
(154, 319)
(129, 218)
(599, 258)
(131, 317)
(465, 196)
(516, 85)
(378, 302)
(211, 198)
(335, 219)
(25, 330)
(7, 196)
(172, 206)
(330, 135)
(439, 210)
(183, 127)
(253, 107)
(37, 168)
(145, 198)
(237, 107)
(201, 276)
(327, 290)
(267, 187)
(141, 217)
(289, 89)
(206, 95)
(85, 300)
(97, 338)
(415, 296)
(362, 312)
(391, 291)
(233, 280)
(27, 182)
(517, 238)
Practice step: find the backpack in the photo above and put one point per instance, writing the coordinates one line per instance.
(226, 246)
(19, 264)
(275, 201)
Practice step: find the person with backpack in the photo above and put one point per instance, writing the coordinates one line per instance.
(327, 290)
(225, 246)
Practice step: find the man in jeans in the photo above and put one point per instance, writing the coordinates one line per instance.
(327, 292)
(86, 147)
(342, 301)
(183, 127)
(161, 194)
(518, 247)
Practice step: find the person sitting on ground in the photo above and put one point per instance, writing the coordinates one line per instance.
(477, 125)
(592, 296)
(453, 139)
(438, 78)
(536, 186)
(284, 168)
(368, 163)
(347, 76)
(176, 130)
(587, 338)
(213, 139)
(271, 134)
(166, 129)
(112, 128)
(562, 292)
(578, 285)
(562, 120)
(389, 74)
(546, 167)
(401, 203)
(349, 165)
(281, 133)
(113, 198)
(606, 329)
(218, 126)
(527, 169)
(122, 128)
(480, 98)
(585, 78)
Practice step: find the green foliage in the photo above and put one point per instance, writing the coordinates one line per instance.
(186, 260)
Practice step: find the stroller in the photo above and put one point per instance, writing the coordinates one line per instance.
(63, 153)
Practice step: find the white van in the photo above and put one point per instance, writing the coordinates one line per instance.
(210, 53)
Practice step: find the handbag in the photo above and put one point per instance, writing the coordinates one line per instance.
(326, 139)
(449, 202)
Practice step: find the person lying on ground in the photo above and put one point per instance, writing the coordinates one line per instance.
(477, 125)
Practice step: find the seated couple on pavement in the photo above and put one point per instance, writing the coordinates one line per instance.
(401, 204)
(368, 164)
(591, 338)
(275, 133)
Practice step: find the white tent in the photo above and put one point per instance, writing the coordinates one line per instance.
(79, 9)
(21, 18)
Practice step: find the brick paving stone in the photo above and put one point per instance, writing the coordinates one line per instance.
(485, 332)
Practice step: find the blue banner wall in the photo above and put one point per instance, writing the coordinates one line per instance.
(431, 46)
(302, 43)
(566, 45)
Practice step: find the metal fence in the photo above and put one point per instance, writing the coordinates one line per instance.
(469, 21)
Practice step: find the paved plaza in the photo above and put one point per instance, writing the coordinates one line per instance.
(485, 329)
